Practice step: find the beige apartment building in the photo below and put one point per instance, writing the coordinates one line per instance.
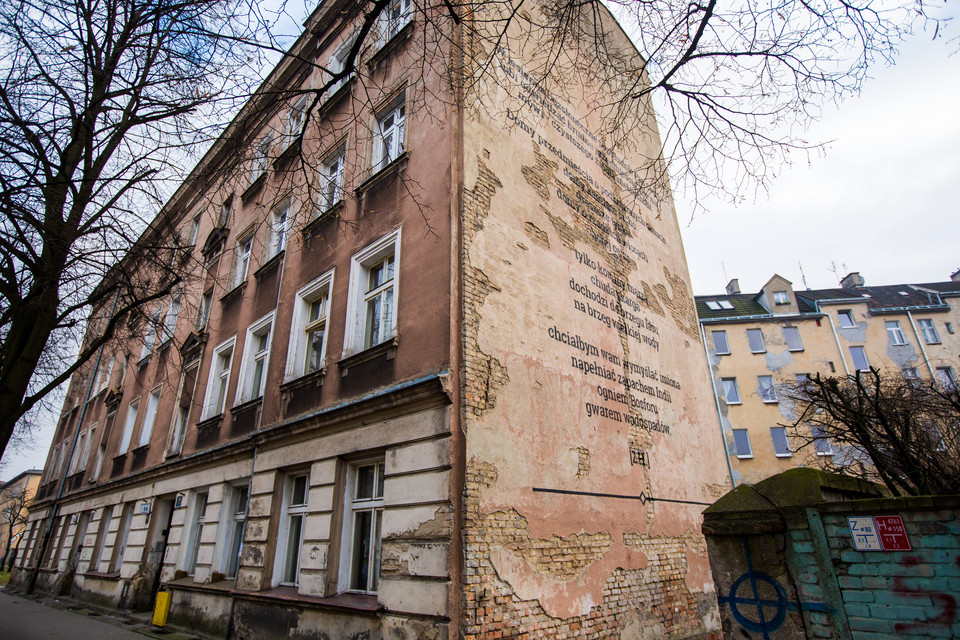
(436, 372)
(759, 345)
(16, 495)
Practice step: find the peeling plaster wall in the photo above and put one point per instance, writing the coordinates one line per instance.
(576, 297)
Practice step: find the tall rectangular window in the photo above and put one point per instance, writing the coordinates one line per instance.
(203, 311)
(261, 157)
(373, 294)
(278, 229)
(860, 361)
(150, 331)
(946, 377)
(105, 371)
(149, 417)
(128, 425)
(308, 328)
(173, 312)
(792, 337)
(364, 512)
(293, 515)
(846, 318)
(768, 392)
(181, 414)
(219, 379)
(330, 184)
(337, 64)
(388, 136)
(234, 539)
(295, 119)
(106, 515)
(731, 391)
(241, 262)
(755, 338)
(720, 345)
(895, 332)
(256, 357)
(929, 331)
(394, 18)
(198, 521)
(741, 440)
(120, 544)
(781, 446)
(821, 441)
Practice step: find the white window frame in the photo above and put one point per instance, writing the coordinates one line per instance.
(225, 210)
(198, 520)
(911, 373)
(854, 351)
(149, 417)
(759, 334)
(796, 332)
(767, 389)
(393, 19)
(218, 379)
(241, 261)
(821, 442)
(780, 431)
(946, 377)
(123, 534)
(897, 337)
(252, 357)
(173, 313)
(728, 384)
(203, 311)
(353, 507)
(781, 297)
(845, 319)
(722, 336)
(77, 453)
(295, 119)
(129, 423)
(336, 64)
(330, 181)
(193, 231)
(736, 445)
(235, 521)
(279, 226)
(103, 375)
(261, 158)
(359, 294)
(389, 134)
(180, 420)
(929, 331)
(150, 331)
(293, 517)
(301, 327)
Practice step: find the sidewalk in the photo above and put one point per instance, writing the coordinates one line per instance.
(42, 617)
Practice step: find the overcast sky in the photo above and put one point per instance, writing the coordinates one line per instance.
(882, 202)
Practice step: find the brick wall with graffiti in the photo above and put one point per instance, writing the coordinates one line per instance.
(816, 556)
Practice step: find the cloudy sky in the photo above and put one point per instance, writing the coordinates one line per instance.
(884, 200)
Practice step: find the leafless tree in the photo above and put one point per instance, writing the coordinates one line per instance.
(901, 431)
(99, 99)
(13, 517)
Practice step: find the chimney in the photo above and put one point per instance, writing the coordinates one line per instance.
(733, 287)
(851, 280)
(955, 276)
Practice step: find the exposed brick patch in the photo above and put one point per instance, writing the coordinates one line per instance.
(680, 304)
(583, 461)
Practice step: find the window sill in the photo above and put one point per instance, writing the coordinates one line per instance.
(335, 98)
(937, 342)
(784, 455)
(210, 423)
(731, 404)
(771, 402)
(193, 342)
(233, 293)
(758, 353)
(254, 188)
(141, 449)
(749, 457)
(347, 602)
(722, 353)
(249, 405)
(387, 348)
(824, 453)
(112, 575)
(269, 265)
(391, 44)
(322, 217)
(120, 456)
(794, 350)
(312, 378)
(392, 169)
(288, 154)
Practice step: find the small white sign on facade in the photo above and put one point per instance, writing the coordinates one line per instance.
(864, 533)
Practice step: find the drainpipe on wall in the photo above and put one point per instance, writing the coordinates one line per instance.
(836, 339)
(923, 350)
(716, 402)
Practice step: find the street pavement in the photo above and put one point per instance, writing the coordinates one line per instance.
(27, 619)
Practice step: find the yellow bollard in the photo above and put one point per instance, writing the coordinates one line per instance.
(161, 609)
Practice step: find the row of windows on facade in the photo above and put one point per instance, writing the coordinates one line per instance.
(766, 389)
(791, 335)
(371, 313)
(360, 540)
(781, 444)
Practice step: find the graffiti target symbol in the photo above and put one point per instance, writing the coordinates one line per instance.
(753, 611)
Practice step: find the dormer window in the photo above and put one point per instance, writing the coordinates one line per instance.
(781, 297)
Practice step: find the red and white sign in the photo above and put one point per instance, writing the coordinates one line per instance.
(892, 533)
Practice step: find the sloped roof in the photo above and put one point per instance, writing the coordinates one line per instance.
(743, 305)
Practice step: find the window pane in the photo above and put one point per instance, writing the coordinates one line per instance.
(792, 337)
(755, 336)
(293, 549)
(741, 438)
(767, 391)
(298, 495)
(781, 446)
(860, 362)
(730, 390)
(361, 550)
(821, 442)
(720, 342)
(846, 318)
(366, 477)
(375, 568)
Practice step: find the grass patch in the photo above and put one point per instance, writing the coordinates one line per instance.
(4, 577)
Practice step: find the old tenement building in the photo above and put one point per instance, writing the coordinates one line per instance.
(761, 345)
(437, 373)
